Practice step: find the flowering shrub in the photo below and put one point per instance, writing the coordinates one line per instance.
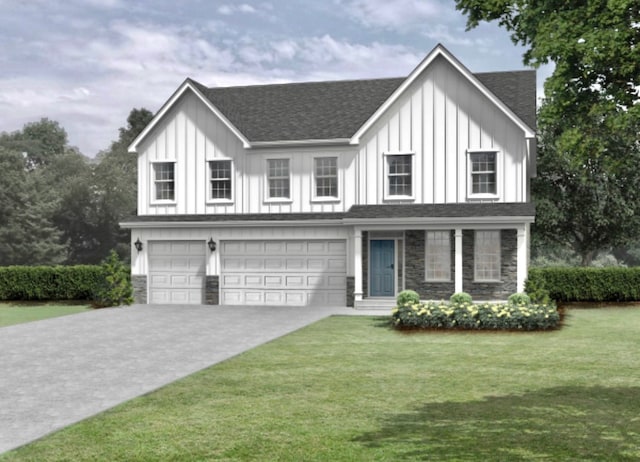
(507, 316)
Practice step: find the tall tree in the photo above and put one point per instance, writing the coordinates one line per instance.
(587, 189)
(116, 183)
(40, 142)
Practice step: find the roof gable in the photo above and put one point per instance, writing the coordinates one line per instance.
(340, 111)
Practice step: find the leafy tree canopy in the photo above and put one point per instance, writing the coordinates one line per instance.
(589, 122)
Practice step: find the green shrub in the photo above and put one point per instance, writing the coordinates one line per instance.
(407, 296)
(579, 284)
(494, 316)
(78, 282)
(460, 297)
(115, 289)
(519, 299)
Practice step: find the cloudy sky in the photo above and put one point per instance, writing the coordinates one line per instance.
(87, 63)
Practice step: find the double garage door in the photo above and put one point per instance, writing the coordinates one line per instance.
(287, 272)
(277, 272)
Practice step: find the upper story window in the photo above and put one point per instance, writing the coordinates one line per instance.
(326, 177)
(438, 256)
(487, 256)
(399, 176)
(220, 180)
(278, 179)
(483, 174)
(164, 181)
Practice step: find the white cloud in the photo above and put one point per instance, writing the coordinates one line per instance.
(394, 14)
(231, 9)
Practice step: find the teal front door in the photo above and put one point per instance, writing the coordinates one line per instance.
(381, 268)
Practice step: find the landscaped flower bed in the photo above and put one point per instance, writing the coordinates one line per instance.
(465, 315)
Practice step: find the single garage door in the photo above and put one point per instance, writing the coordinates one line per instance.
(177, 272)
(291, 272)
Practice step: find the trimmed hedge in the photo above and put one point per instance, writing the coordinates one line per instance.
(79, 282)
(571, 284)
(469, 316)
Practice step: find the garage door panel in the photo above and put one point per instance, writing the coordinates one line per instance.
(303, 272)
(177, 272)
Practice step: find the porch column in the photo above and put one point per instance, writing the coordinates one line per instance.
(458, 264)
(357, 270)
(523, 254)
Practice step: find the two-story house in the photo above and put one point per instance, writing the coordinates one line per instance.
(337, 192)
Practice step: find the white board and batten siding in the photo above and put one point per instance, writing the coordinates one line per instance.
(191, 135)
(438, 119)
(281, 272)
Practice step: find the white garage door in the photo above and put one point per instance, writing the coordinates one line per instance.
(292, 272)
(177, 272)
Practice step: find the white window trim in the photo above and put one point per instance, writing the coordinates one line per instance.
(277, 200)
(152, 183)
(448, 233)
(386, 196)
(211, 200)
(314, 189)
(484, 196)
(475, 250)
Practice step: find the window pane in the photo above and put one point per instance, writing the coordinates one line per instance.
(326, 176)
(487, 256)
(278, 178)
(399, 175)
(483, 173)
(164, 181)
(220, 179)
(438, 255)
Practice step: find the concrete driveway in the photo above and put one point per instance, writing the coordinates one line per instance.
(58, 371)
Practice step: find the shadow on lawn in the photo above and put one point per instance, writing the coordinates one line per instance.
(576, 423)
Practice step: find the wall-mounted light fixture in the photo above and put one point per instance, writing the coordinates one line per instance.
(212, 244)
(138, 245)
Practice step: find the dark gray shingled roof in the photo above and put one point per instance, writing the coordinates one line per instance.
(337, 109)
(494, 209)
(507, 209)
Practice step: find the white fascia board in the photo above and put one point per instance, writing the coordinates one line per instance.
(226, 224)
(468, 222)
(310, 142)
(186, 85)
(440, 50)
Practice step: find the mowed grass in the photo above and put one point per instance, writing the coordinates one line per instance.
(351, 389)
(19, 312)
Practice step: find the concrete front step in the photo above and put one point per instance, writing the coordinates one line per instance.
(381, 304)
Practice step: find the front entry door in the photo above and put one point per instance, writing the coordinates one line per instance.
(381, 268)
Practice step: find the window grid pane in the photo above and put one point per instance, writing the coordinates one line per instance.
(438, 256)
(164, 181)
(487, 256)
(483, 173)
(399, 176)
(220, 179)
(278, 177)
(326, 172)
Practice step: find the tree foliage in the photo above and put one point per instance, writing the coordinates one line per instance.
(589, 149)
(56, 205)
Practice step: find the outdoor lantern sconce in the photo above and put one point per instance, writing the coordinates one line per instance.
(212, 244)
(138, 245)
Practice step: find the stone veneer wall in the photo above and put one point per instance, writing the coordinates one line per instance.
(415, 268)
(508, 268)
(139, 283)
(351, 288)
(212, 290)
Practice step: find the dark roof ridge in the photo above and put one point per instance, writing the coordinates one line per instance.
(310, 82)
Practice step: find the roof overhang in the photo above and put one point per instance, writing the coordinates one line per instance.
(186, 86)
(293, 143)
(441, 51)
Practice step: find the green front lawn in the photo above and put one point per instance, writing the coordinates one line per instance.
(351, 389)
(19, 312)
